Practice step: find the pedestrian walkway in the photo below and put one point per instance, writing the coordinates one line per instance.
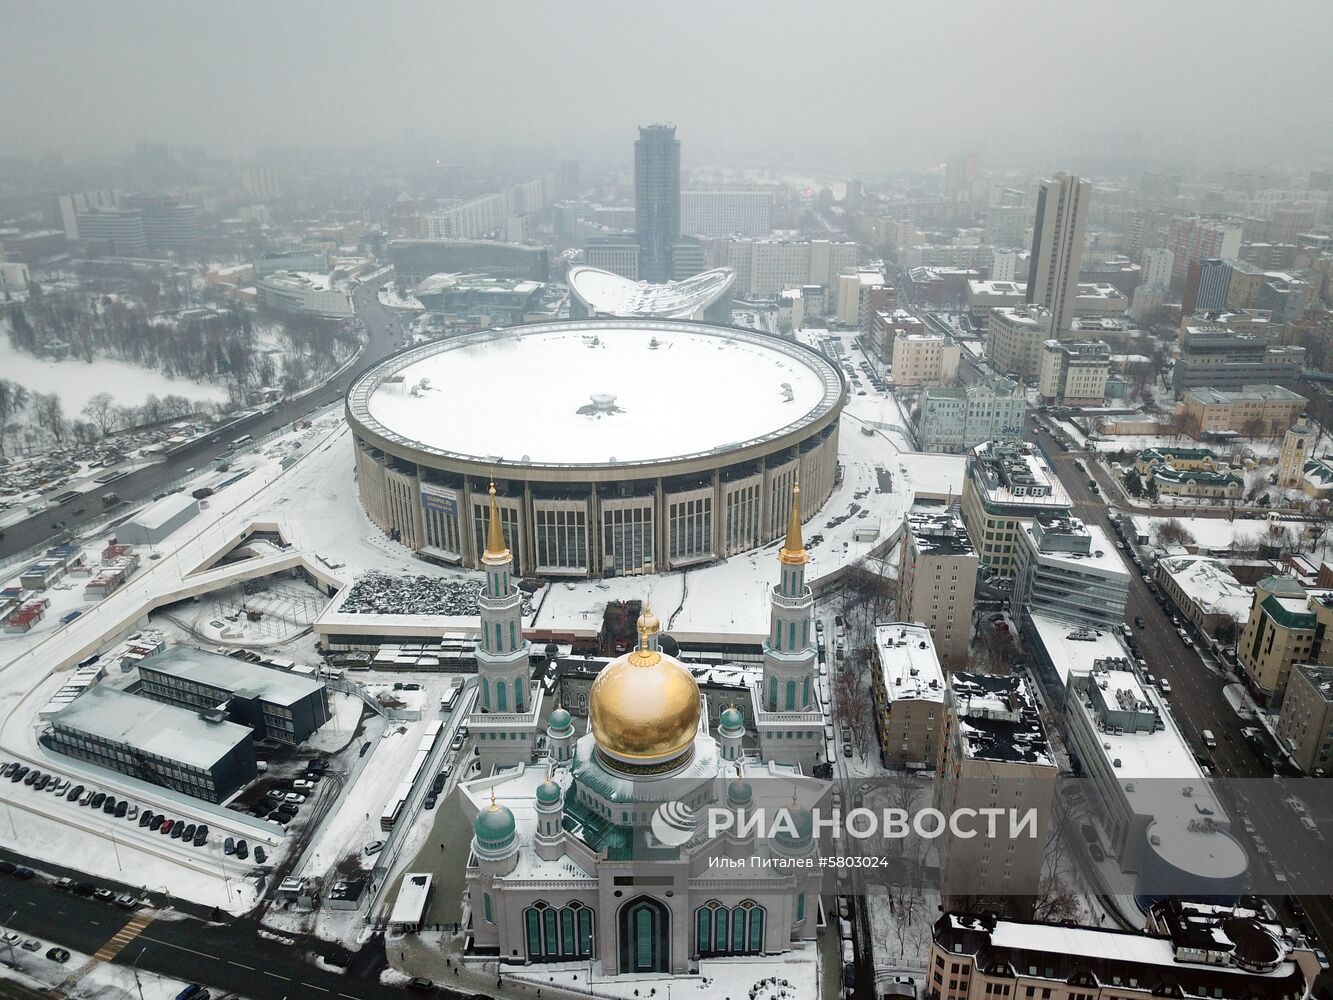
(113, 947)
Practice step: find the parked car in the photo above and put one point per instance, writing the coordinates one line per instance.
(157, 822)
(201, 835)
(31, 944)
(58, 955)
(229, 846)
(98, 799)
(296, 797)
(109, 806)
(145, 818)
(166, 827)
(122, 807)
(104, 895)
(303, 784)
(127, 902)
(260, 855)
(242, 850)
(374, 847)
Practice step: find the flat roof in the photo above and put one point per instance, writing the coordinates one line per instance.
(157, 514)
(152, 726)
(267, 683)
(1209, 583)
(1101, 556)
(597, 392)
(998, 719)
(413, 892)
(1073, 649)
(908, 661)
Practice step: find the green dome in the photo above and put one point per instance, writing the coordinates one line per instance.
(548, 792)
(560, 720)
(739, 793)
(494, 826)
(796, 833)
(732, 720)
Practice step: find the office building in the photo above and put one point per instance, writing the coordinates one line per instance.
(1074, 372)
(1070, 571)
(474, 301)
(115, 231)
(1057, 246)
(296, 260)
(1004, 265)
(726, 213)
(304, 294)
(907, 685)
(170, 226)
(1138, 765)
(994, 753)
(416, 260)
(1093, 301)
(1251, 410)
(616, 254)
(277, 705)
(1305, 726)
(1007, 484)
(1017, 338)
(1205, 593)
(1188, 950)
(195, 753)
(1206, 284)
(855, 291)
(1006, 226)
(956, 419)
(1286, 626)
(656, 198)
(937, 579)
(1220, 359)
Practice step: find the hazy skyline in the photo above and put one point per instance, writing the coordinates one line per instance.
(824, 83)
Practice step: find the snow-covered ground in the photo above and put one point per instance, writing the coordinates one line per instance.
(75, 381)
(1218, 534)
(95, 981)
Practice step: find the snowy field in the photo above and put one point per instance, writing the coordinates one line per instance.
(94, 980)
(76, 381)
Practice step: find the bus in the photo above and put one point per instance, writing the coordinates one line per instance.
(240, 442)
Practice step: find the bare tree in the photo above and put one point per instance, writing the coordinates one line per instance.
(101, 409)
(1172, 532)
(50, 415)
(13, 399)
(1253, 427)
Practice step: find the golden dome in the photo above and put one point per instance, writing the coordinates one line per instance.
(644, 706)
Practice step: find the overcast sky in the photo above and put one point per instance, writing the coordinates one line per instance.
(877, 81)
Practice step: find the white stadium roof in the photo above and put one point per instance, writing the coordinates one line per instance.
(596, 392)
(608, 294)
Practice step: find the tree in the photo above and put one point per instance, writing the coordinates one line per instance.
(1172, 532)
(1139, 376)
(13, 398)
(101, 409)
(1134, 482)
(1150, 488)
(50, 415)
(1253, 427)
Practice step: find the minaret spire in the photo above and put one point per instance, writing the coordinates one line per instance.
(793, 550)
(496, 549)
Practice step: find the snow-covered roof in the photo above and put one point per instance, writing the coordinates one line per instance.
(152, 726)
(597, 392)
(269, 684)
(608, 294)
(1073, 649)
(908, 662)
(1209, 584)
(165, 510)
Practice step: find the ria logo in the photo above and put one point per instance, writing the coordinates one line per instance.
(673, 823)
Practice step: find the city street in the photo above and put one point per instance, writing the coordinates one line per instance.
(1197, 680)
(384, 336)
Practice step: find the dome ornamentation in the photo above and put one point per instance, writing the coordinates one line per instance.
(644, 706)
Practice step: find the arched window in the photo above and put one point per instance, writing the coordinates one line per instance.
(498, 648)
(485, 693)
(486, 907)
(756, 942)
(513, 636)
(805, 693)
(791, 635)
(800, 906)
(791, 694)
(518, 694)
(738, 930)
(773, 694)
(735, 931)
(720, 941)
(805, 633)
(501, 696)
(703, 930)
(777, 635)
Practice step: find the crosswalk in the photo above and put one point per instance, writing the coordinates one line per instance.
(114, 945)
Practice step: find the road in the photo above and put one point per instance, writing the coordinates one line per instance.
(1197, 679)
(227, 956)
(384, 336)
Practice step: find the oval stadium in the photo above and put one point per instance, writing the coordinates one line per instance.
(617, 447)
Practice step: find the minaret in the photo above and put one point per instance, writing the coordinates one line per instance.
(502, 652)
(789, 650)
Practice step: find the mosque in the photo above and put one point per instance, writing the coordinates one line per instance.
(589, 847)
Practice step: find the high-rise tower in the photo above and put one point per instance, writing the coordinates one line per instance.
(788, 716)
(1057, 247)
(656, 199)
(504, 716)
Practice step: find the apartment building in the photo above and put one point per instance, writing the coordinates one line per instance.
(1286, 626)
(994, 754)
(1305, 727)
(885, 325)
(958, 418)
(925, 359)
(937, 579)
(1221, 359)
(907, 685)
(1017, 338)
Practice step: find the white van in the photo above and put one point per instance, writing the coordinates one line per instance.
(1209, 740)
